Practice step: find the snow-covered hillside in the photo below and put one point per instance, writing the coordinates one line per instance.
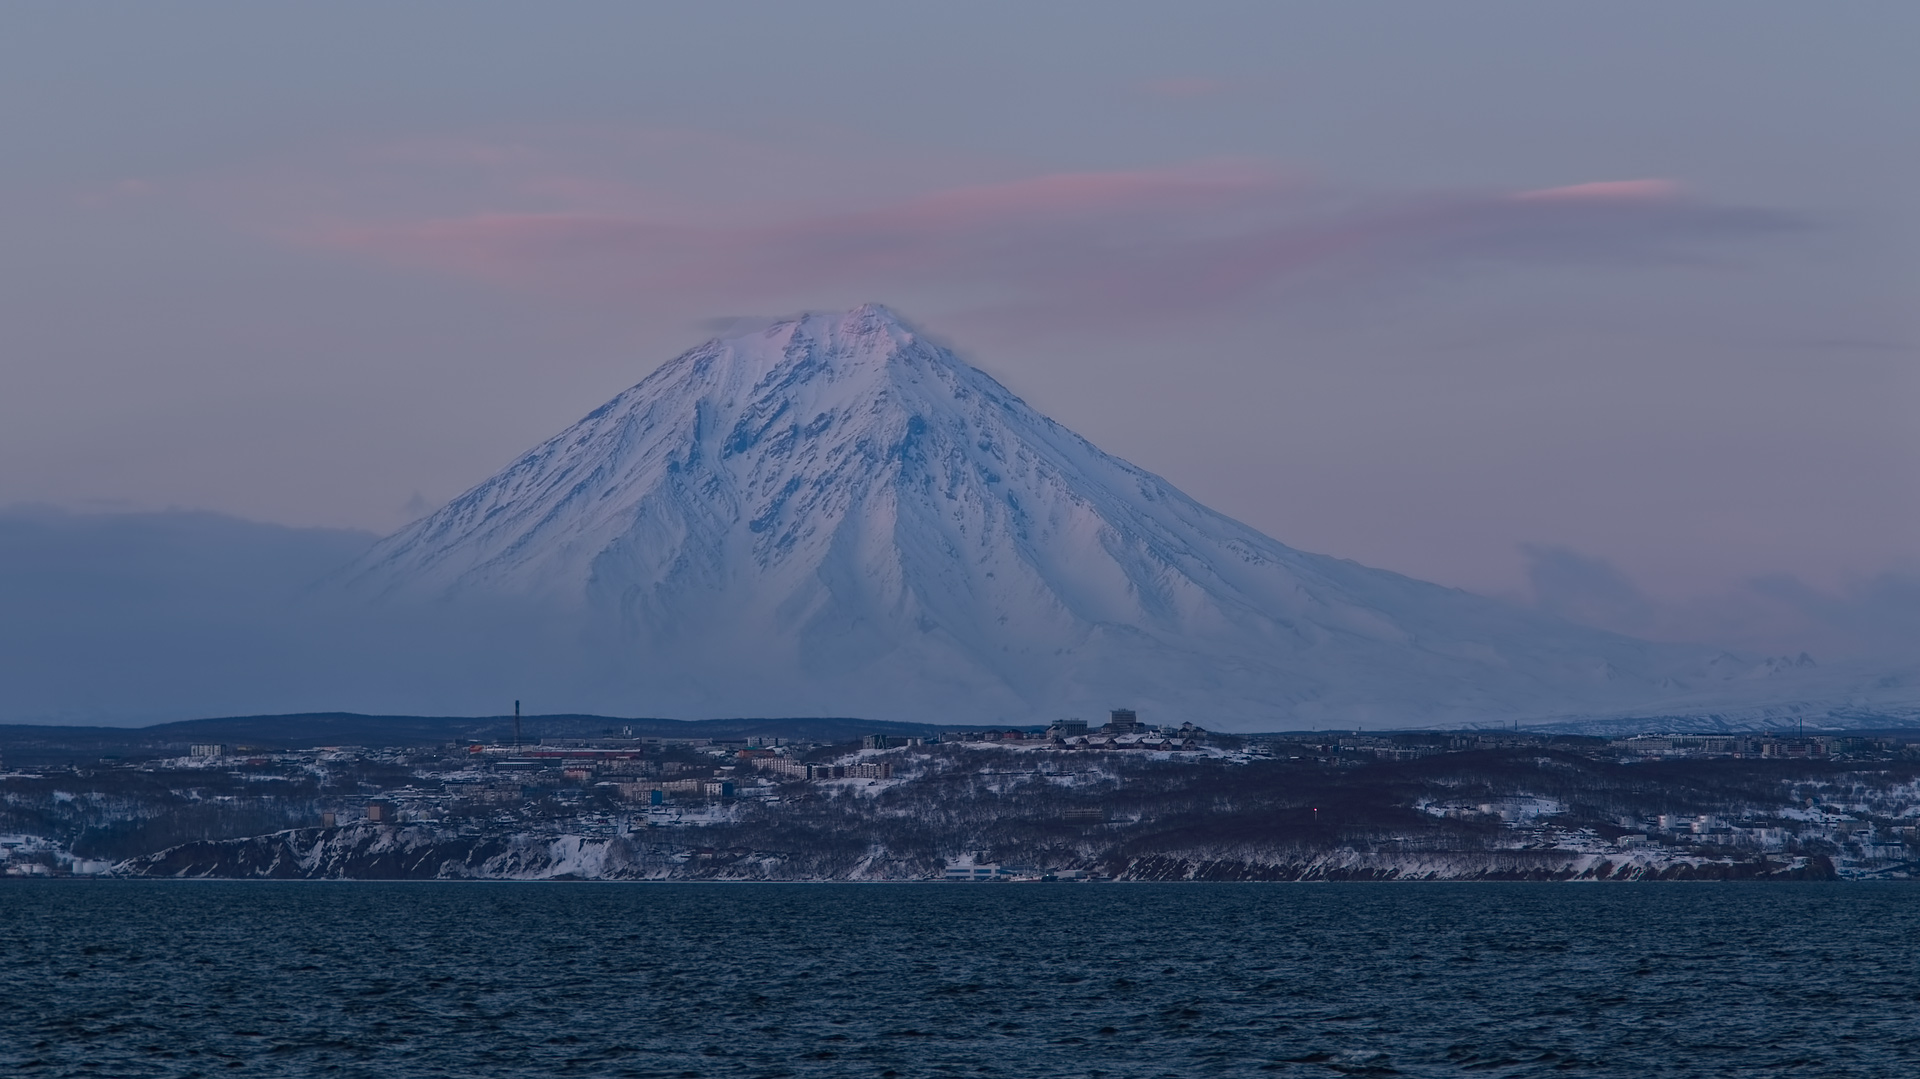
(834, 516)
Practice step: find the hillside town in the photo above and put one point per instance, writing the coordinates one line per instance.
(1074, 801)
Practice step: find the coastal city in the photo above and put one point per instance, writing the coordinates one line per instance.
(1123, 799)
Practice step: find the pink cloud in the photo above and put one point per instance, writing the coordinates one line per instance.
(924, 233)
(1606, 191)
(1174, 239)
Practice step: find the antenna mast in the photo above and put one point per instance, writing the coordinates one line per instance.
(516, 724)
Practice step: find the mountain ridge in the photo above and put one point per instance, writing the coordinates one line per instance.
(834, 515)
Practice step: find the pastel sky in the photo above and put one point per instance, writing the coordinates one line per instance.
(1610, 307)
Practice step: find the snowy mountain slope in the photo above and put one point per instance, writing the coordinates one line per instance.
(835, 516)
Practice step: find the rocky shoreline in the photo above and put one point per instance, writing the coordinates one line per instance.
(422, 852)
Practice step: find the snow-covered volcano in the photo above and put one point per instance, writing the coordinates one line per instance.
(836, 516)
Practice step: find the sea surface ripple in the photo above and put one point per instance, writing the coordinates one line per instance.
(165, 978)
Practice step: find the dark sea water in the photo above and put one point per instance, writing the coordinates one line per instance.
(461, 979)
